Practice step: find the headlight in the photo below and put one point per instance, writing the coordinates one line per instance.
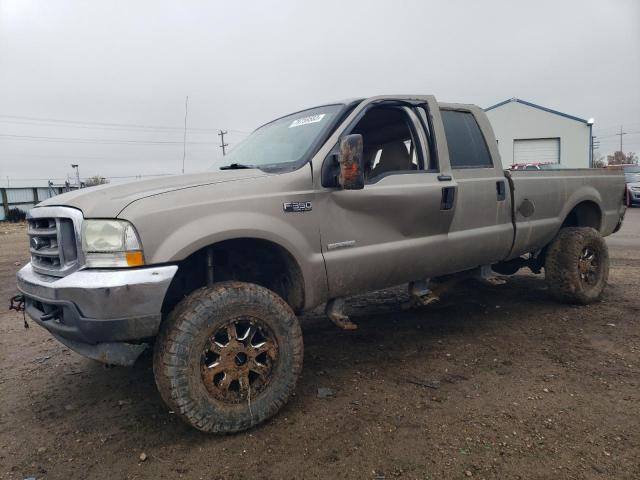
(635, 189)
(111, 243)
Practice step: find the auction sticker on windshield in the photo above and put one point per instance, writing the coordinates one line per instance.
(307, 120)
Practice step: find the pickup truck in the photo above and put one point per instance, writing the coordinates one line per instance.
(632, 179)
(210, 270)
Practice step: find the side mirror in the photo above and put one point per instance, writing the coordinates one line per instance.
(351, 163)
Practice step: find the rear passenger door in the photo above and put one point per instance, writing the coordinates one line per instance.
(481, 231)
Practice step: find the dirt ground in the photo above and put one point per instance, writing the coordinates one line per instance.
(494, 382)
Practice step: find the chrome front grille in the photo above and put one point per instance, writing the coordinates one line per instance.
(44, 242)
(53, 240)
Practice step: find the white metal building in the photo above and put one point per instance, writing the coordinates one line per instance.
(530, 133)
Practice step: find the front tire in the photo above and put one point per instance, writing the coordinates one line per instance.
(228, 357)
(577, 265)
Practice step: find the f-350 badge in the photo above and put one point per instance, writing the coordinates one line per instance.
(297, 206)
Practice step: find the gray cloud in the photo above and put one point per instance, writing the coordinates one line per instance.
(242, 64)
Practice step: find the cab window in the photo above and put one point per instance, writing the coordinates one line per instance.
(467, 148)
(390, 143)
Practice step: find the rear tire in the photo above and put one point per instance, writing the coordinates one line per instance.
(228, 357)
(577, 265)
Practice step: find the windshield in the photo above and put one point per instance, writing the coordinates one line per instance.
(283, 142)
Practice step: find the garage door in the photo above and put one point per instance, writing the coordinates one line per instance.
(543, 150)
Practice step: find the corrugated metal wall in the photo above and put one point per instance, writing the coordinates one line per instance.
(44, 193)
(25, 207)
(20, 195)
(24, 198)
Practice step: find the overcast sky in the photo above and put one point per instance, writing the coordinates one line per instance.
(127, 63)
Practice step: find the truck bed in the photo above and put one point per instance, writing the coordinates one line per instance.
(594, 194)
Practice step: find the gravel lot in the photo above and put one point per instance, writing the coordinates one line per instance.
(493, 382)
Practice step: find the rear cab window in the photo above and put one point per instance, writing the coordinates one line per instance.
(467, 146)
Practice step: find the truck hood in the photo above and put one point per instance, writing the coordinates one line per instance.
(107, 201)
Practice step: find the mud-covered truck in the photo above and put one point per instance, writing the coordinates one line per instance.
(210, 270)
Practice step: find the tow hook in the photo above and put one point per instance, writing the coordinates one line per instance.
(17, 303)
(55, 313)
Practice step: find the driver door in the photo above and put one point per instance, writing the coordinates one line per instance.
(395, 229)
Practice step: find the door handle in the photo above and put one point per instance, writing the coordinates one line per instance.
(501, 190)
(448, 197)
(444, 178)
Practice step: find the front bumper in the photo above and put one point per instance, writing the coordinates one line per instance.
(90, 307)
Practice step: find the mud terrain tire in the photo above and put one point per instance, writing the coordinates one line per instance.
(577, 265)
(180, 365)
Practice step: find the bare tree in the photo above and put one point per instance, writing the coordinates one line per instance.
(95, 180)
(598, 161)
(619, 158)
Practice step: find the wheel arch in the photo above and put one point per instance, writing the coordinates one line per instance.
(251, 259)
(586, 213)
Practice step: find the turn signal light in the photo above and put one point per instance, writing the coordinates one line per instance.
(134, 258)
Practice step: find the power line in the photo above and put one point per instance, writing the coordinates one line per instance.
(616, 127)
(110, 158)
(616, 141)
(199, 131)
(22, 179)
(102, 141)
(85, 124)
(616, 134)
(67, 157)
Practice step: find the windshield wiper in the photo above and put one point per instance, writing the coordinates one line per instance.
(236, 166)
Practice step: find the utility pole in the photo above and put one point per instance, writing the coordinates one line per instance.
(184, 138)
(75, 165)
(620, 135)
(222, 144)
(595, 145)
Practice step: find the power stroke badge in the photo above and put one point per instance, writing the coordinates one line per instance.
(297, 206)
